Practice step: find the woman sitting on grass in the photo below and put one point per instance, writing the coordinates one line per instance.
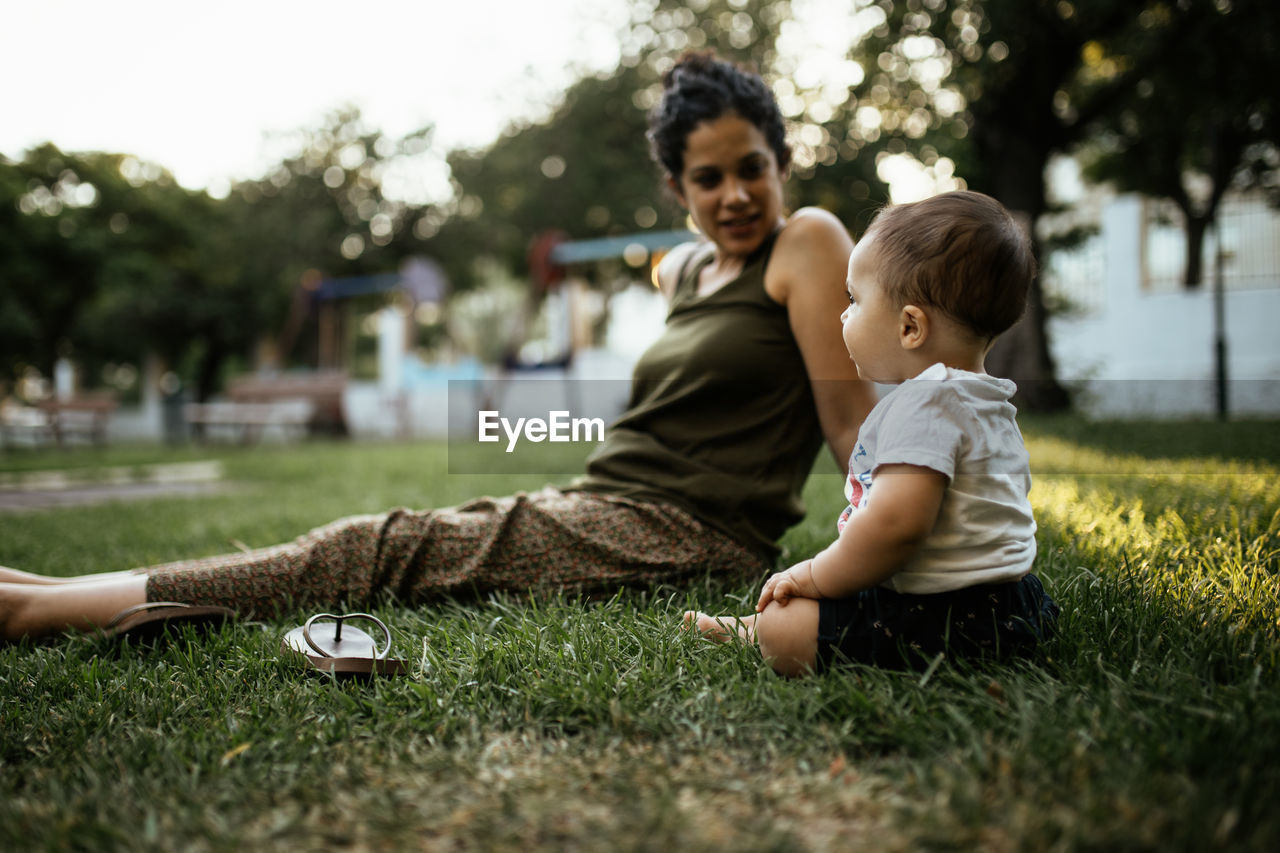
(935, 548)
(701, 474)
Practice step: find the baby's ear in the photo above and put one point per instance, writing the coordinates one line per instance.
(913, 327)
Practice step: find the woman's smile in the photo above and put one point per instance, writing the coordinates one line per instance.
(731, 184)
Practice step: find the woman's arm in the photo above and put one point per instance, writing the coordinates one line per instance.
(807, 275)
(876, 543)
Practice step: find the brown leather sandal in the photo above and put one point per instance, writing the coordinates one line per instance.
(150, 620)
(340, 649)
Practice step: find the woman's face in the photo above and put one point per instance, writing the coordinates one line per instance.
(731, 184)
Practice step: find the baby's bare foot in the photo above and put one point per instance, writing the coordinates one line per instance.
(720, 629)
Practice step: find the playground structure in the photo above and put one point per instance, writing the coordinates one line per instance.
(420, 280)
(551, 289)
(295, 403)
(409, 397)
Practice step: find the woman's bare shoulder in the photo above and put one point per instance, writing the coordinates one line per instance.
(814, 224)
(673, 262)
(813, 245)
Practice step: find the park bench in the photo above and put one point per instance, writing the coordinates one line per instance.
(294, 403)
(85, 415)
(24, 425)
(58, 420)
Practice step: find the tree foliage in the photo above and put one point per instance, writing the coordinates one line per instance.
(105, 255)
(1001, 86)
(826, 169)
(323, 209)
(91, 247)
(585, 171)
(998, 87)
(1199, 124)
(104, 258)
(989, 89)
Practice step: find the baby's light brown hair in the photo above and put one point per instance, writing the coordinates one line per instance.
(959, 251)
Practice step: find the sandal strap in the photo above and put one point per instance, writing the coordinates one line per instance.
(339, 619)
(139, 608)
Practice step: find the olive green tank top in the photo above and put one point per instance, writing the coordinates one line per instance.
(721, 420)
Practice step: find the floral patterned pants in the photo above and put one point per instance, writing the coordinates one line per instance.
(546, 541)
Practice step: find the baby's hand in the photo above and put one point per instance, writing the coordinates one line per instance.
(795, 582)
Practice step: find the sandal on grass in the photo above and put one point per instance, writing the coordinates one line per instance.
(342, 649)
(149, 620)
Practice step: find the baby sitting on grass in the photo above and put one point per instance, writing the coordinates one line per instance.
(935, 548)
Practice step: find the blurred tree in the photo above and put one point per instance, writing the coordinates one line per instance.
(743, 31)
(826, 168)
(78, 232)
(107, 258)
(998, 87)
(986, 89)
(323, 211)
(1198, 124)
(585, 170)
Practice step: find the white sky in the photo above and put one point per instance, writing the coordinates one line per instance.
(196, 87)
(202, 89)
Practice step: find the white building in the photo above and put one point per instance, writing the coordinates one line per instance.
(1135, 341)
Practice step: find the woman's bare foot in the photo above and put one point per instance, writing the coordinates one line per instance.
(38, 610)
(11, 603)
(8, 575)
(721, 629)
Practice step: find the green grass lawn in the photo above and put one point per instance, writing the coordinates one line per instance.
(1151, 722)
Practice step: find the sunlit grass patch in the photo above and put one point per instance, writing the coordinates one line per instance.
(1181, 551)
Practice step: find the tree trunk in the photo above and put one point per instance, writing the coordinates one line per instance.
(1014, 169)
(1022, 354)
(210, 368)
(1193, 275)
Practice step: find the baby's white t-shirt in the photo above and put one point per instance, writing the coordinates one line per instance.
(962, 425)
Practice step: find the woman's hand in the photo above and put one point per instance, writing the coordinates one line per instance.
(795, 582)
